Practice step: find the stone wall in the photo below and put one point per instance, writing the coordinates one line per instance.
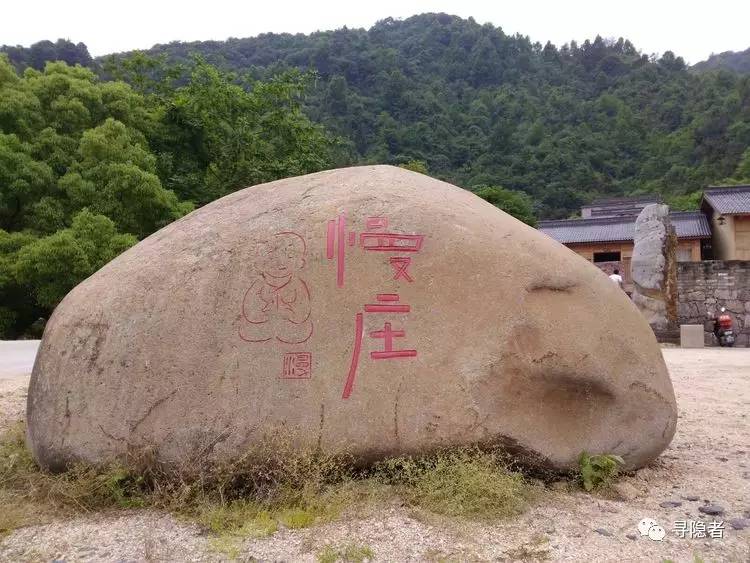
(705, 287)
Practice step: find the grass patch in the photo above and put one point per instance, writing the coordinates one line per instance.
(273, 485)
(29, 495)
(296, 518)
(349, 553)
(233, 522)
(243, 518)
(227, 545)
(468, 483)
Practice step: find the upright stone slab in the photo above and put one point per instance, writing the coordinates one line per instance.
(691, 336)
(370, 309)
(654, 267)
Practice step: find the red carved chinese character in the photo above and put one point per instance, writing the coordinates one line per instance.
(387, 303)
(297, 365)
(374, 223)
(387, 334)
(359, 325)
(391, 242)
(401, 265)
(336, 239)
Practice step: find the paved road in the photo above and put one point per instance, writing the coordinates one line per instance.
(17, 357)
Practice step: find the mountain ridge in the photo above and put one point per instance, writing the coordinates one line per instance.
(736, 61)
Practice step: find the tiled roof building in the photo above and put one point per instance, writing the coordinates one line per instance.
(729, 200)
(604, 234)
(728, 210)
(688, 225)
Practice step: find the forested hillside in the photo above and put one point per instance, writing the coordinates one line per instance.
(564, 124)
(96, 156)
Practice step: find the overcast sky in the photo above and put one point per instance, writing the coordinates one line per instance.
(693, 30)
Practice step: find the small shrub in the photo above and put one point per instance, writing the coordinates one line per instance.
(233, 522)
(123, 486)
(596, 471)
(349, 553)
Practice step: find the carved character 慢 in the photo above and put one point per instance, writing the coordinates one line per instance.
(277, 303)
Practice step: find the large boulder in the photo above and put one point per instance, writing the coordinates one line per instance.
(369, 309)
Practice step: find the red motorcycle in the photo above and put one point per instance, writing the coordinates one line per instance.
(724, 329)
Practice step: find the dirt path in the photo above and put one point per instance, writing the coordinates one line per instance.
(708, 461)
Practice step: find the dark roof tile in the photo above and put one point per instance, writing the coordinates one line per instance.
(687, 224)
(728, 199)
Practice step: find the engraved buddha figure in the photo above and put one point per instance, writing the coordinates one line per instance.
(277, 303)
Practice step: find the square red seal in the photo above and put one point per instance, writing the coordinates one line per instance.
(297, 365)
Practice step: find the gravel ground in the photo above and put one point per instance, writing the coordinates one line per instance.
(708, 463)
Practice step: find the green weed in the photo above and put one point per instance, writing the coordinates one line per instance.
(296, 518)
(597, 471)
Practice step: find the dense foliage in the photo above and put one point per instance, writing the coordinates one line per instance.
(479, 107)
(89, 167)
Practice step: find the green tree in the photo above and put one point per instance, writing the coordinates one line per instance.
(415, 166)
(563, 124)
(517, 204)
(221, 137)
(69, 142)
(16, 306)
(686, 202)
(115, 175)
(23, 182)
(51, 266)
